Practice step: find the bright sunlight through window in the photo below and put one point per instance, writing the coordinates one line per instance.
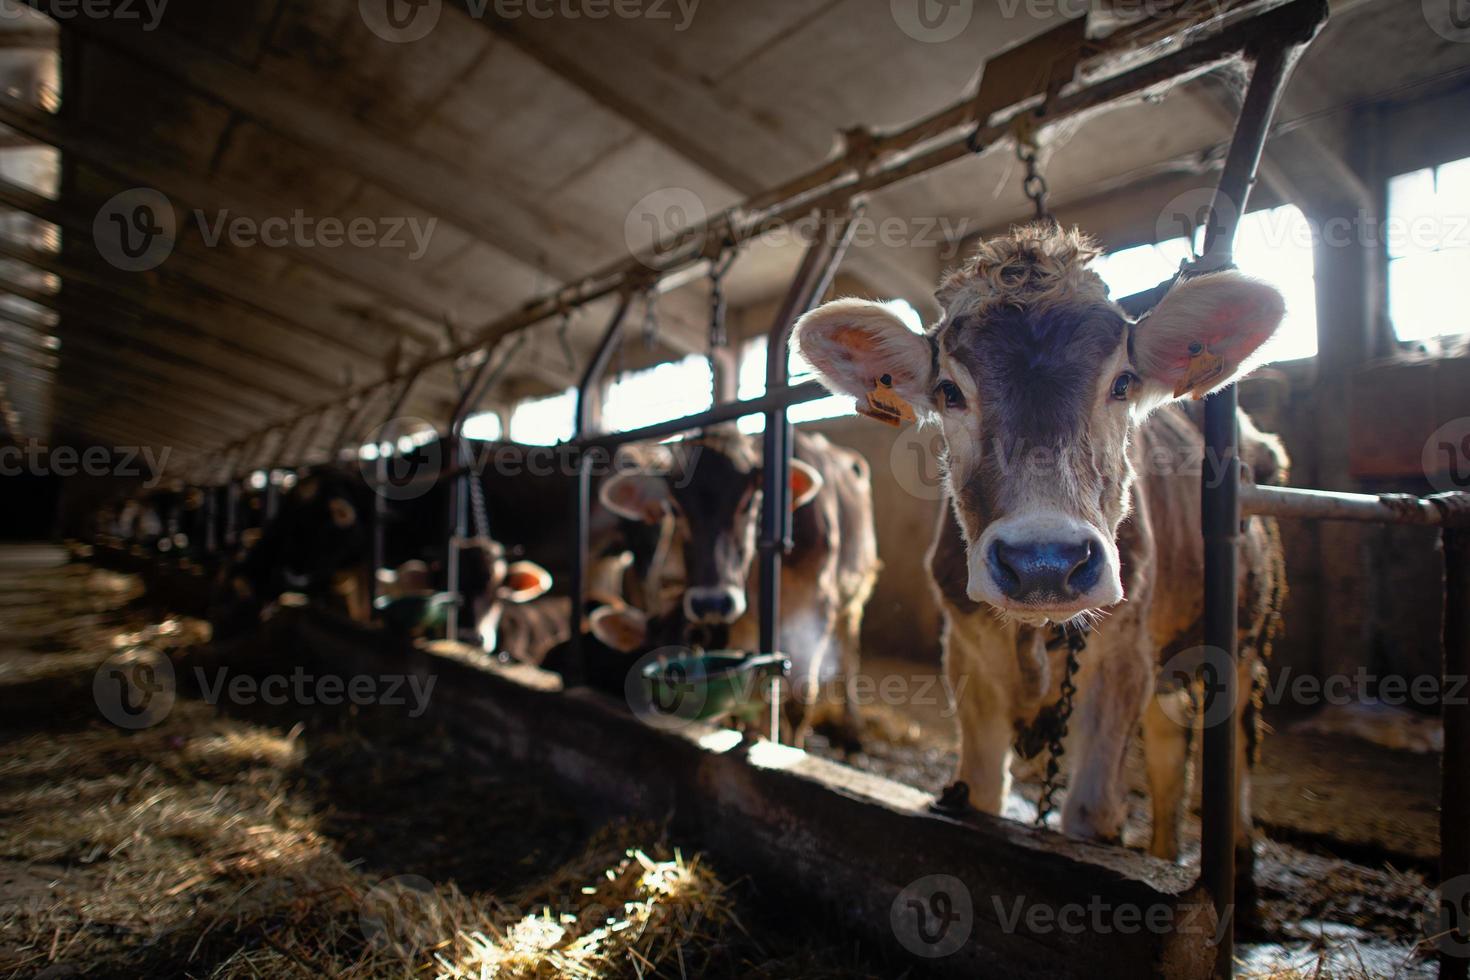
(668, 391)
(1428, 251)
(1274, 245)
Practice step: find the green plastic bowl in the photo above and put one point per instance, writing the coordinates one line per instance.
(698, 687)
(417, 613)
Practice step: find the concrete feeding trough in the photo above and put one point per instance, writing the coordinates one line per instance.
(955, 895)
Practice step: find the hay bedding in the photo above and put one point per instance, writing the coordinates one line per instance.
(216, 846)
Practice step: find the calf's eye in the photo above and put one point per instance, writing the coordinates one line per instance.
(1121, 384)
(950, 392)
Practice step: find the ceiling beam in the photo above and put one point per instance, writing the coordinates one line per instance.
(213, 194)
(157, 301)
(265, 370)
(237, 277)
(468, 201)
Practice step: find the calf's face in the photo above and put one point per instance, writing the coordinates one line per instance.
(712, 491)
(1037, 382)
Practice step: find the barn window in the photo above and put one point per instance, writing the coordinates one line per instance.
(1427, 237)
(665, 391)
(484, 426)
(544, 421)
(1274, 244)
(752, 383)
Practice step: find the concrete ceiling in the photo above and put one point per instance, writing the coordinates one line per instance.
(529, 150)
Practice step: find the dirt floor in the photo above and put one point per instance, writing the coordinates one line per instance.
(346, 845)
(278, 844)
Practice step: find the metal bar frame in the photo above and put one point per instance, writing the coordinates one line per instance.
(890, 157)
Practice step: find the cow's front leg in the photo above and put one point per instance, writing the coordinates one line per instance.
(984, 712)
(1113, 683)
(1166, 735)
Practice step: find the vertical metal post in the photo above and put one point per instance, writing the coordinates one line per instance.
(588, 420)
(1454, 808)
(380, 476)
(454, 446)
(232, 513)
(211, 520)
(814, 276)
(1220, 503)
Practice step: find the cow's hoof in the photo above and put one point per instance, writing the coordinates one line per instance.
(953, 800)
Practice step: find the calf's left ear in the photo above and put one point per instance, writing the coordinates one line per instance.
(1204, 334)
(524, 581)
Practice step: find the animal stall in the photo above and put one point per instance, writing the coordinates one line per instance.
(803, 820)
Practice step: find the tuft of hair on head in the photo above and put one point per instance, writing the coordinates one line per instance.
(1033, 264)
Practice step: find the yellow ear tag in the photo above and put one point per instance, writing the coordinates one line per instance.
(1203, 370)
(886, 405)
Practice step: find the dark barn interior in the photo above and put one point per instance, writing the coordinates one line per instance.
(449, 529)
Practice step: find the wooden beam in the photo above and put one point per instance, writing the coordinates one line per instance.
(468, 201)
(236, 277)
(158, 302)
(213, 195)
(265, 369)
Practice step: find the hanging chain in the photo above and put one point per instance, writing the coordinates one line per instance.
(1027, 150)
(563, 337)
(650, 318)
(718, 266)
(1050, 726)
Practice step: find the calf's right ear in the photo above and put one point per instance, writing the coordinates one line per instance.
(623, 628)
(636, 496)
(854, 344)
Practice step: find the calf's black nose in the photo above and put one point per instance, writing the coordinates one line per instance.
(714, 605)
(1038, 571)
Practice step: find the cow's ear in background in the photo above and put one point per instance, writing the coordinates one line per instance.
(524, 581)
(806, 483)
(1203, 335)
(853, 343)
(636, 496)
(621, 627)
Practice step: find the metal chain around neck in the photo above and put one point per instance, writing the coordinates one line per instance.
(1054, 719)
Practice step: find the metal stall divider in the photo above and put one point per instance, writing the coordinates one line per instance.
(381, 476)
(814, 275)
(1219, 499)
(463, 471)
